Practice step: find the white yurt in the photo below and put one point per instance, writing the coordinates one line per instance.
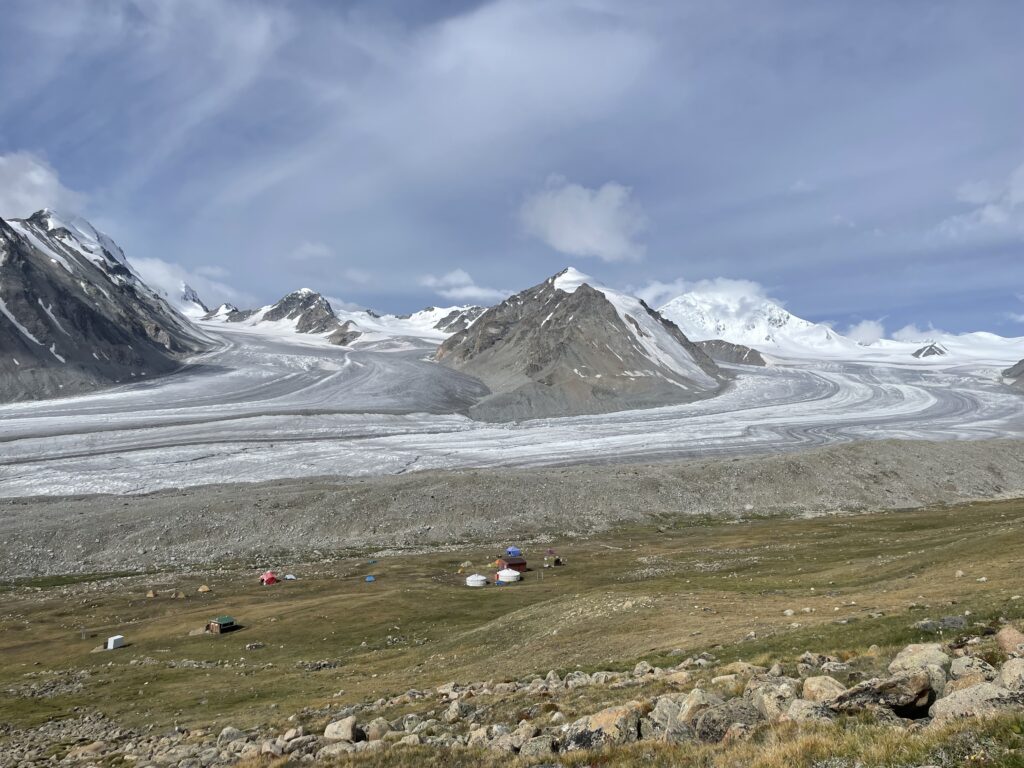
(476, 580)
(508, 575)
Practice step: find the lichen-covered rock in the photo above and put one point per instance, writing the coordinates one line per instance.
(1010, 640)
(695, 703)
(918, 656)
(802, 711)
(662, 723)
(983, 700)
(714, 722)
(965, 666)
(538, 746)
(907, 693)
(344, 730)
(772, 695)
(1011, 676)
(614, 725)
(822, 688)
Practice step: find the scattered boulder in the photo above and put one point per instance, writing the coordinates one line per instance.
(663, 723)
(538, 746)
(695, 703)
(918, 656)
(822, 688)
(229, 734)
(714, 722)
(344, 730)
(376, 729)
(982, 700)
(907, 693)
(971, 666)
(802, 710)
(772, 695)
(1010, 640)
(1011, 676)
(614, 725)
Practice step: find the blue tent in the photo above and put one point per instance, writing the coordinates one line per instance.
(371, 578)
(513, 552)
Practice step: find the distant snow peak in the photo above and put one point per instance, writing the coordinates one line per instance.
(751, 320)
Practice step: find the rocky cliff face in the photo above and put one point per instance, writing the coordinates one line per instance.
(568, 347)
(74, 316)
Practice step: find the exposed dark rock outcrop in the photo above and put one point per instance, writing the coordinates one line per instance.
(310, 312)
(565, 348)
(930, 350)
(459, 319)
(75, 317)
(726, 352)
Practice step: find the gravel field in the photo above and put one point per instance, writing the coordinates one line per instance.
(268, 522)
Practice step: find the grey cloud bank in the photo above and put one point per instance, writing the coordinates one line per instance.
(861, 161)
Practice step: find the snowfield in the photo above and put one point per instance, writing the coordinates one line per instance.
(265, 406)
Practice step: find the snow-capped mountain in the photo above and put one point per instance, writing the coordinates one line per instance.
(571, 346)
(303, 311)
(189, 302)
(75, 316)
(307, 312)
(752, 321)
(1016, 373)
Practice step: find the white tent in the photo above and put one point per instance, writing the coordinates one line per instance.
(117, 641)
(476, 580)
(508, 575)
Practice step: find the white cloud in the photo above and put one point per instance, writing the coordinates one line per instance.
(458, 285)
(726, 292)
(912, 333)
(656, 293)
(578, 221)
(867, 331)
(168, 277)
(28, 183)
(998, 208)
(1016, 317)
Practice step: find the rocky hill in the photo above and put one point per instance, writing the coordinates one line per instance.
(74, 316)
(568, 346)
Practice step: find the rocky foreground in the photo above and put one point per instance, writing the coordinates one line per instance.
(979, 674)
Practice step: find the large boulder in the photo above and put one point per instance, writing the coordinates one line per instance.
(822, 688)
(696, 701)
(376, 728)
(662, 723)
(982, 700)
(907, 693)
(1011, 676)
(1010, 640)
(918, 656)
(714, 722)
(538, 746)
(344, 730)
(971, 666)
(614, 725)
(772, 695)
(802, 710)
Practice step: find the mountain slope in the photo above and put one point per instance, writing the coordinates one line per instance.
(1016, 372)
(74, 316)
(752, 321)
(568, 346)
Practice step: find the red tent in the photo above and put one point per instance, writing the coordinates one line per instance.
(268, 578)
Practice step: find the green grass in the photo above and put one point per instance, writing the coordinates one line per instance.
(598, 612)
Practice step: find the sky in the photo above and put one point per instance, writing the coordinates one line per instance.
(860, 160)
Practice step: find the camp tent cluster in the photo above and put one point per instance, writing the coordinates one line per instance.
(509, 569)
